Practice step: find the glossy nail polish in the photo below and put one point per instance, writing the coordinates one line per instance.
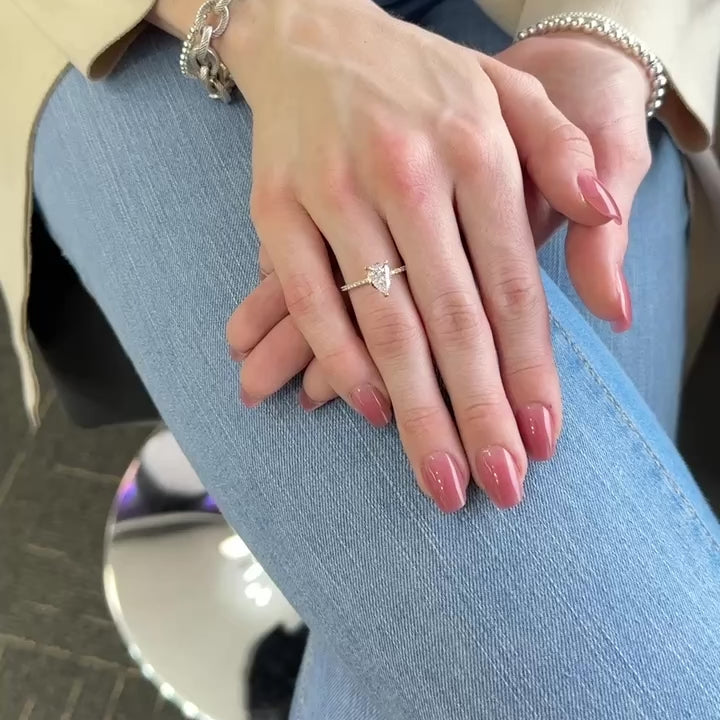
(249, 401)
(598, 196)
(536, 428)
(306, 402)
(444, 482)
(372, 405)
(625, 317)
(499, 477)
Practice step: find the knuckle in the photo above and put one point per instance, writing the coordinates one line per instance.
(337, 188)
(336, 359)
(303, 296)
(566, 137)
(524, 366)
(422, 420)
(391, 335)
(455, 317)
(514, 296)
(626, 148)
(527, 84)
(266, 197)
(405, 167)
(482, 410)
(473, 148)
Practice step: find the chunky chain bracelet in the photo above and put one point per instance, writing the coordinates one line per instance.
(612, 32)
(199, 60)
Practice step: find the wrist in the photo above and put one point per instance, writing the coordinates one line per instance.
(241, 38)
(596, 49)
(613, 35)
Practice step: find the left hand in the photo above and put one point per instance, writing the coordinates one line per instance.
(599, 89)
(604, 93)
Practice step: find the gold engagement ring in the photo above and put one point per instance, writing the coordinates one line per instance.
(378, 275)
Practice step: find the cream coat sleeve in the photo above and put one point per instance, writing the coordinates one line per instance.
(91, 34)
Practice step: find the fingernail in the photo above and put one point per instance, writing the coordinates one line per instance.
(536, 428)
(306, 402)
(444, 481)
(237, 355)
(499, 477)
(598, 196)
(372, 405)
(249, 401)
(624, 320)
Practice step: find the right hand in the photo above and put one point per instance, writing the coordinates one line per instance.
(377, 140)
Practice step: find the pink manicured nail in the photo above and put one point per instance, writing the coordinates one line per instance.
(444, 481)
(535, 424)
(372, 405)
(624, 321)
(598, 196)
(499, 477)
(236, 355)
(249, 401)
(306, 402)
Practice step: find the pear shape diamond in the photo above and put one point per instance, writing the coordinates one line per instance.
(379, 276)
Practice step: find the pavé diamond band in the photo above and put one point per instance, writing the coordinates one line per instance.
(378, 275)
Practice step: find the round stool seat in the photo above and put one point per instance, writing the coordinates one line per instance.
(187, 595)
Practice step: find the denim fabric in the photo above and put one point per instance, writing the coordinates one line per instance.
(598, 598)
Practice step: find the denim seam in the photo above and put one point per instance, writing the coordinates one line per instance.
(628, 421)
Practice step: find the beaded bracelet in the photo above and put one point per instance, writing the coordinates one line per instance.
(607, 29)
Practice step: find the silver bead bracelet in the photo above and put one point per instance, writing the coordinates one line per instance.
(607, 29)
(198, 60)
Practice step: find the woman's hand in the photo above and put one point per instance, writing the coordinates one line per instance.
(375, 140)
(603, 92)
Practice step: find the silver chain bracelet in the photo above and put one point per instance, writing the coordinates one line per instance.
(604, 27)
(198, 60)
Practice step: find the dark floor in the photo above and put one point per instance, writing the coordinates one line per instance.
(60, 656)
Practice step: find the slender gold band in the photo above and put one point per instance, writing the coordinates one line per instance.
(378, 275)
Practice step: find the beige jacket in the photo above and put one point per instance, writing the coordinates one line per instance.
(40, 38)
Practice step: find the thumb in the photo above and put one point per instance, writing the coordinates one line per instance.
(595, 256)
(544, 221)
(556, 154)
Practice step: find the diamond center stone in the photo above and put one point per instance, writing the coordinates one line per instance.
(379, 275)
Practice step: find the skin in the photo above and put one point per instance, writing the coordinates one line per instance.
(392, 143)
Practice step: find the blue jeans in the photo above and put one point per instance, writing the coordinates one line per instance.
(599, 597)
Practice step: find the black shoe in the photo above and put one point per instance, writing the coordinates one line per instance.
(273, 673)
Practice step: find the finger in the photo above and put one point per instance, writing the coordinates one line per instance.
(265, 263)
(595, 256)
(418, 207)
(255, 317)
(397, 343)
(544, 221)
(316, 390)
(314, 302)
(273, 362)
(556, 154)
(501, 247)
